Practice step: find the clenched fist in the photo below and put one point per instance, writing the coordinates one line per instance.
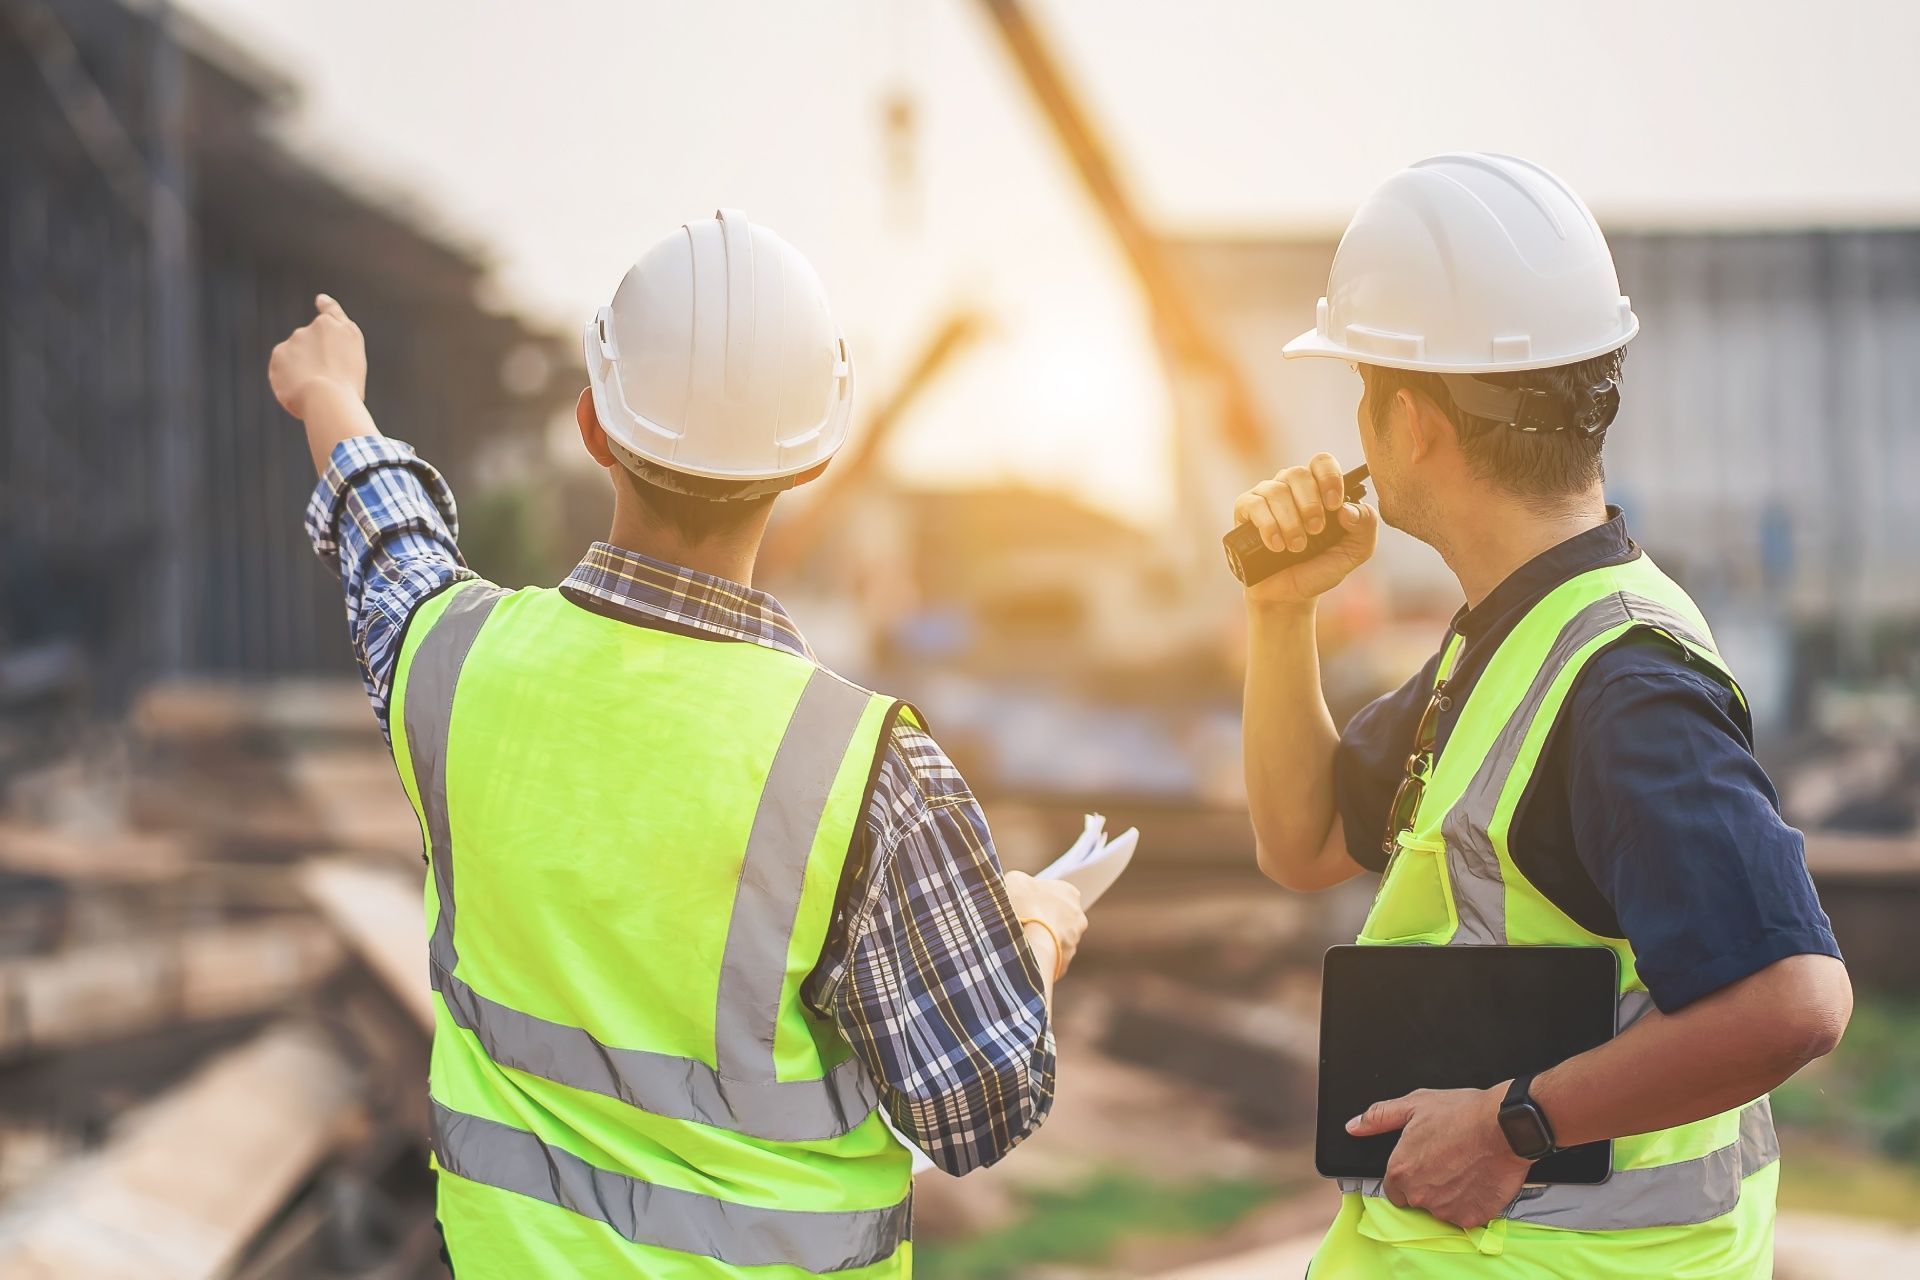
(1292, 507)
(327, 351)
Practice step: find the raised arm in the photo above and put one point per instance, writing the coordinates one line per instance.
(381, 517)
(319, 375)
(1288, 735)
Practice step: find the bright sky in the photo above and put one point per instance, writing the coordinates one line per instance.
(567, 136)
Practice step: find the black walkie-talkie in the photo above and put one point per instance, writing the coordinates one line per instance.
(1251, 559)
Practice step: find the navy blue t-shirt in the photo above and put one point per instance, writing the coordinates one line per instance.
(1647, 818)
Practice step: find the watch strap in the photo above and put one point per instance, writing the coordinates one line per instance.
(1520, 1096)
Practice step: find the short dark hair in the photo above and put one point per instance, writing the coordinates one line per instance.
(1542, 464)
(707, 510)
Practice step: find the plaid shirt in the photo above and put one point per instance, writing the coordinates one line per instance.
(925, 970)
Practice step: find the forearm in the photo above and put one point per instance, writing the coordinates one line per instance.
(385, 521)
(1046, 958)
(332, 413)
(1289, 740)
(1716, 1054)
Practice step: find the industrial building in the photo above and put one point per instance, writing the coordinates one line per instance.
(155, 241)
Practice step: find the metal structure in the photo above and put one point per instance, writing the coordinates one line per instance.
(154, 244)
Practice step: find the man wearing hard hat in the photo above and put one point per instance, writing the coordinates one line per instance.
(1573, 766)
(699, 910)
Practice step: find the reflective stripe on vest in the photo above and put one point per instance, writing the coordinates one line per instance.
(1664, 1195)
(647, 1213)
(741, 1094)
(1677, 1194)
(1479, 895)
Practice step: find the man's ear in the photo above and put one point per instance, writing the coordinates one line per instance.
(1427, 426)
(591, 433)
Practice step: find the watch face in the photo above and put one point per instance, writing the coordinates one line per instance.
(1526, 1132)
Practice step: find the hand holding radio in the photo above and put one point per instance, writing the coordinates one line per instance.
(1299, 534)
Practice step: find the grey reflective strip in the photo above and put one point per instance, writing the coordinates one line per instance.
(753, 968)
(1473, 869)
(1666, 1195)
(431, 677)
(667, 1217)
(658, 1083)
(1634, 1005)
(741, 1096)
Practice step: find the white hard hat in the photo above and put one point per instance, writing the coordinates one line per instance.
(1470, 263)
(719, 358)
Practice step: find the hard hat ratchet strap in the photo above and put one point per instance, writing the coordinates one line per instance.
(1532, 409)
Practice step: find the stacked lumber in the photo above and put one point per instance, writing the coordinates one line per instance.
(212, 998)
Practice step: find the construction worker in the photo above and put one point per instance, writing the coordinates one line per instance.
(1572, 767)
(699, 909)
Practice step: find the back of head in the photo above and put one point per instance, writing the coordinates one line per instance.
(1552, 452)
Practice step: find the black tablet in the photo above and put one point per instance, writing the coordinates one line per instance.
(1396, 1019)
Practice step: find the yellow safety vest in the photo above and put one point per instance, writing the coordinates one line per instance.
(1696, 1200)
(636, 838)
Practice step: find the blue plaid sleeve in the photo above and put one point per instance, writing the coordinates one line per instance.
(383, 519)
(936, 988)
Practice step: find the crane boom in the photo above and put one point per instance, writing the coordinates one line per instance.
(1185, 333)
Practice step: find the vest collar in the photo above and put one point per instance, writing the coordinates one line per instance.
(1526, 586)
(647, 592)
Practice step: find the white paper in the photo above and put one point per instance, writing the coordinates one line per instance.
(1094, 862)
(1091, 863)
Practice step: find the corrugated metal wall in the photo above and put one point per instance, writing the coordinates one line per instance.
(1771, 439)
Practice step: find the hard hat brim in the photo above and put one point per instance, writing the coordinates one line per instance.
(1313, 344)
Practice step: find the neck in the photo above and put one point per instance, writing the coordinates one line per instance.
(1486, 544)
(730, 557)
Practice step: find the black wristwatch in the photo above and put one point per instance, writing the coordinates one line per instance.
(1524, 1123)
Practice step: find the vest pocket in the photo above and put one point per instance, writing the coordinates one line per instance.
(1415, 900)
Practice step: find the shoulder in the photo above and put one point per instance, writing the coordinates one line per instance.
(916, 786)
(1647, 696)
(915, 773)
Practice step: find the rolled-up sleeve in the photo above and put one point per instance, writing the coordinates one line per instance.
(1680, 829)
(937, 991)
(384, 521)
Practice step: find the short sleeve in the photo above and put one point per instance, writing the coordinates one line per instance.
(1680, 829)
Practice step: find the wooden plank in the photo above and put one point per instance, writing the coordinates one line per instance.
(356, 801)
(1833, 856)
(378, 913)
(117, 855)
(188, 1180)
(120, 988)
(210, 709)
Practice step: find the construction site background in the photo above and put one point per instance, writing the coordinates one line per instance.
(212, 1002)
